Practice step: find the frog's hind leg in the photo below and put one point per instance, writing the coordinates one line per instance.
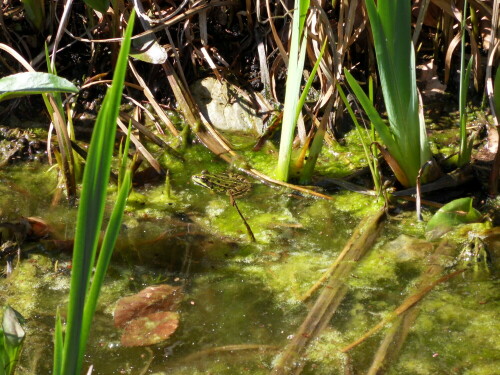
(249, 230)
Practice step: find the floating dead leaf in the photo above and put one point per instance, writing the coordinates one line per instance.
(150, 329)
(38, 227)
(150, 300)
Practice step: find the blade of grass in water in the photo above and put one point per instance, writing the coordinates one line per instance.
(91, 212)
(293, 81)
(466, 144)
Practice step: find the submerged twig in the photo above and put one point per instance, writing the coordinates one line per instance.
(407, 304)
(335, 289)
(396, 335)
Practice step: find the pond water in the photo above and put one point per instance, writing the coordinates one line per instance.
(241, 301)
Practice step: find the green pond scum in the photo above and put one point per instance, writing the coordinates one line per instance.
(242, 300)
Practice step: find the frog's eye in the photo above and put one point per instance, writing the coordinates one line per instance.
(204, 171)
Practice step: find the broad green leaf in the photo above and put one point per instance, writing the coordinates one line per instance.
(11, 326)
(459, 211)
(30, 83)
(100, 5)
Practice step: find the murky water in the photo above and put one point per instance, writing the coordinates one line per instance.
(242, 299)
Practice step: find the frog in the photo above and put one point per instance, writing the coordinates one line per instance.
(231, 184)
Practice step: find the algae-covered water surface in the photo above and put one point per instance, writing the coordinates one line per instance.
(241, 301)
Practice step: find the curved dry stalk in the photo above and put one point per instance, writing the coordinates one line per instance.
(489, 80)
(144, 152)
(60, 30)
(152, 137)
(449, 54)
(277, 39)
(149, 95)
(181, 17)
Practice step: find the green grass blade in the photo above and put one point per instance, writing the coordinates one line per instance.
(464, 152)
(91, 209)
(124, 156)
(294, 79)
(371, 159)
(309, 82)
(109, 241)
(371, 112)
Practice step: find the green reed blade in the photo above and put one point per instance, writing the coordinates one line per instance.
(405, 138)
(294, 79)
(91, 211)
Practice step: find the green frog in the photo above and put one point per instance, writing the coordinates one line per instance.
(232, 184)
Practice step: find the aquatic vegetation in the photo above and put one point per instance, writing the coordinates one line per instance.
(466, 143)
(405, 138)
(69, 349)
(296, 60)
(12, 337)
(458, 211)
(32, 83)
(244, 302)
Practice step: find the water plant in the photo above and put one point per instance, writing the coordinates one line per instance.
(294, 78)
(50, 86)
(366, 138)
(405, 137)
(70, 347)
(466, 143)
(12, 337)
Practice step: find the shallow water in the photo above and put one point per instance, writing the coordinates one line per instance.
(241, 299)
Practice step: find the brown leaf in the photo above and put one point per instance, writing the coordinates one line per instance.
(153, 299)
(150, 329)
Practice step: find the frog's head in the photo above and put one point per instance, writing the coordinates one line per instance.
(201, 179)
